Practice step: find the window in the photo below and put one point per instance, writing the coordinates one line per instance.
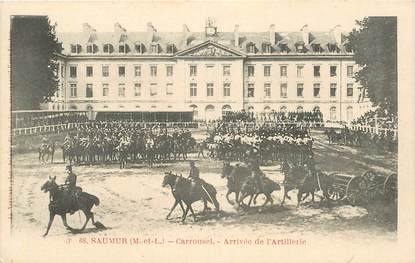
(90, 48)
(193, 89)
(300, 69)
(251, 90)
(350, 71)
(283, 90)
(193, 71)
(169, 71)
(170, 48)
(267, 90)
(107, 48)
(121, 90)
(137, 89)
(137, 71)
(169, 88)
(76, 49)
(316, 71)
(105, 89)
(251, 70)
(316, 47)
(226, 70)
(105, 71)
(62, 71)
(333, 114)
(89, 91)
(226, 89)
(316, 90)
(155, 48)
(333, 71)
(121, 71)
(333, 88)
(89, 71)
(122, 49)
(349, 113)
(350, 90)
(72, 71)
(283, 71)
(300, 90)
(209, 89)
(251, 48)
(267, 71)
(138, 48)
(300, 48)
(72, 90)
(153, 71)
(153, 89)
(266, 48)
(284, 48)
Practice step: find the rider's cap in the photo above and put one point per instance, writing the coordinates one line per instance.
(69, 167)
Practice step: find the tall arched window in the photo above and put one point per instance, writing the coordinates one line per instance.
(267, 109)
(225, 109)
(210, 112)
(195, 111)
(251, 109)
(349, 113)
(333, 113)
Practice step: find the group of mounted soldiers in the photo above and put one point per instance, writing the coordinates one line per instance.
(314, 116)
(121, 142)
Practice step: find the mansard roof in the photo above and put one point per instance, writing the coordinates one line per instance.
(192, 39)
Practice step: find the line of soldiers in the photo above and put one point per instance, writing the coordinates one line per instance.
(102, 142)
(314, 116)
(269, 143)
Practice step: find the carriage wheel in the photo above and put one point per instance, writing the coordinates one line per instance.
(375, 186)
(355, 192)
(390, 188)
(335, 191)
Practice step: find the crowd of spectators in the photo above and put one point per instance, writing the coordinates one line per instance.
(384, 119)
(30, 119)
(274, 116)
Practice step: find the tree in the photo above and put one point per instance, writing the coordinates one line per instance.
(34, 66)
(374, 45)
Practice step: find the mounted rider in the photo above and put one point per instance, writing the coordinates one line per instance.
(45, 142)
(257, 175)
(70, 183)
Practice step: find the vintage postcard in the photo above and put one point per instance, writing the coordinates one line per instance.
(207, 131)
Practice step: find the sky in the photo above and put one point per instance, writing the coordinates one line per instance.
(170, 16)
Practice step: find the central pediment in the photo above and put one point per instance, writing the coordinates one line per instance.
(210, 49)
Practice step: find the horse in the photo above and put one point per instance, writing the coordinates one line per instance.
(47, 150)
(249, 189)
(183, 190)
(61, 203)
(235, 176)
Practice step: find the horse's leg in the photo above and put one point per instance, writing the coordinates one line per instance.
(250, 200)
(51, 217)
(193, 213)
(185, 213)
(256, 196)
(174, 206)
(88, 216)
(216, 203)
(227, 196)
(299, 195)
(65, 223)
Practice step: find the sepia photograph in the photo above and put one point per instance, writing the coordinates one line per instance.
(216, 130)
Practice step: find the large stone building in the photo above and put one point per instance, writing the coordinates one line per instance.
(208, 72)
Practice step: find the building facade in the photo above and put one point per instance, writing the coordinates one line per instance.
(209, 72)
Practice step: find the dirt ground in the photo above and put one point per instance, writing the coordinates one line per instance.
(133, 201)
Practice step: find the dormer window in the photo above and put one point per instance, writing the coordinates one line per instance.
(90, 48)
(171, 48)
(155, 48)
(139, 48)
(251, 48)
(300, 47)
(107, 48)
(266, 48)
(122, 48)
(332, 47)
(284, 48)
(316, 47)
(76, 49)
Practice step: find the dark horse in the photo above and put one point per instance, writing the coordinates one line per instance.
(235, 176)
(47, 150)
(183, 190)
(249, 189)
(60, 204)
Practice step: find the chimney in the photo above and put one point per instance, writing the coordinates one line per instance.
(86, 28)
(118, 28)
(272, 34)
(185, 35)
(337, 32)
(150, 32)
(306, 35)
(236, 36)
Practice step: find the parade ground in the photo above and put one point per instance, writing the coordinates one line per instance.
(133, 201)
